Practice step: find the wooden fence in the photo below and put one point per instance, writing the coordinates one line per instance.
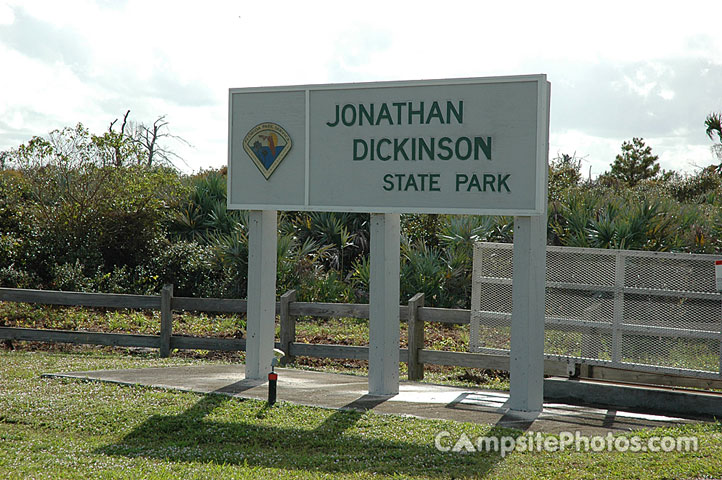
(288, 309)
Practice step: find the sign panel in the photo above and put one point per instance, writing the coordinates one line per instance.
(474, 146)
(718, 274)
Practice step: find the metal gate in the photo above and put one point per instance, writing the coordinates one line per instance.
(646, 311)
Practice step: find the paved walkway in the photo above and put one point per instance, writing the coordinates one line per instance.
(339, 391)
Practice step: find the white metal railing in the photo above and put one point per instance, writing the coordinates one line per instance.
(646, 311)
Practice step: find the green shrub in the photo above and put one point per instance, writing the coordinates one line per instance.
(13, 195)
(360, 278)
(78, 206)
(297, 263)
(120, 224)
(326, 287)
(435, 273)
(191, 268)
(10, 277)
(458, 233)
(124, 279)
(639, 219)
(343, 235)
(9, 245)
(698, 188)
(202, 213)
(71, 277)
(421, 228)
(231, 255)
(564, 173)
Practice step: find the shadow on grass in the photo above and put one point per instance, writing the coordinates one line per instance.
(257, 440)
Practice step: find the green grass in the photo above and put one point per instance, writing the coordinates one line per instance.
(52, 428)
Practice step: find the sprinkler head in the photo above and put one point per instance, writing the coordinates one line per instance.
(277, 356)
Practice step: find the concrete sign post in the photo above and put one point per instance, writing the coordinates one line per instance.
(261, 317)
(384, 331)
(463, 146)
(526, 363)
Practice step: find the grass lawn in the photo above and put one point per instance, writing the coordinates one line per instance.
(51, 428)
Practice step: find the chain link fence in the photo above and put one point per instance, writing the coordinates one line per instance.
(646, 311)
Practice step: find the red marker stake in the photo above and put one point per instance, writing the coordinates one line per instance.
(272, 382)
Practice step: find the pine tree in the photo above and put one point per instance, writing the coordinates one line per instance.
(635, 163)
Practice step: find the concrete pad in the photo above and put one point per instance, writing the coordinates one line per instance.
(340, 391)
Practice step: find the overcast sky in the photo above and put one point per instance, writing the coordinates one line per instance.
(618, 69)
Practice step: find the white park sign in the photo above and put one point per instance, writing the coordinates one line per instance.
(462, 146)
(473, 146)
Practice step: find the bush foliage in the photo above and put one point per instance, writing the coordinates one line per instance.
(73, 217)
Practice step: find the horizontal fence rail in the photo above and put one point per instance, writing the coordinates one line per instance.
(83, 338)
(415, 313)
(80, 299)
(560, 323)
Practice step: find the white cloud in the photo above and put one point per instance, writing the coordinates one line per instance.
(6, 15)
(618, 69)
(666, 94)
(597, 153)
(677, 154)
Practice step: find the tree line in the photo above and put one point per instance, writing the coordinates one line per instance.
(110, 212)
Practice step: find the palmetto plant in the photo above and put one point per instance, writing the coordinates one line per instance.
(439, 274)
(361, 275)
(459, 233)
(189, 223)
(204, 214)
(713, 124)
(344, 235)
(570, 218)
(298, 264)
(639, 227)
(623, 221)
(321, 254)
(231, 253)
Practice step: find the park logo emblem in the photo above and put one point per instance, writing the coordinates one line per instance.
(267, 144)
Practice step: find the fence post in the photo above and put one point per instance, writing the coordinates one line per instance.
(166, 320)
(415, 334)
(618, 319)
(288, 326)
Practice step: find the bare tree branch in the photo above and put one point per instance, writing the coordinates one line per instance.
(152, 140)
(125, 121)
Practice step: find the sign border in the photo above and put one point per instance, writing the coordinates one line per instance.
(542, 144)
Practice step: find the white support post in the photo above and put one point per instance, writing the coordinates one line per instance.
(261, 322)
(620, 265)
(527, 320)
(384, 323)
(474, 321)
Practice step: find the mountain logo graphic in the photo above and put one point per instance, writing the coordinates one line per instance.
(267, 144)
